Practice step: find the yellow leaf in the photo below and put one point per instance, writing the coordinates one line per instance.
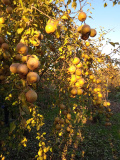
(57, 33)
(40, 152)
(38, 127)
(14, 103)
(28, 127)
(21, 3)
(35, 57)
(40, 144)
(60, 49)
(50, 1)
(3, 158)
(19, 31)
(60, 134)
(43, 143)
(74, 5)
(50, 149)
(8, 33)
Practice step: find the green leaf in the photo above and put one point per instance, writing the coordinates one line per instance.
(105, 4)
(19, 147)
(22, 97)
(118, 3)
(12, 127)
(25, 109)
(117, 95)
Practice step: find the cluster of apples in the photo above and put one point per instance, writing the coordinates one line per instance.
(4, 56)
(34, 38)
(93, 88)
(104, 109)
(51, 25)
(26, 70)
(97, 95)
(3, 44)
(100, 106)
(60, 122)
(4, 71)
(108, 113)
(8, 10)
(85, 30)
(7, 3)
(76, 80)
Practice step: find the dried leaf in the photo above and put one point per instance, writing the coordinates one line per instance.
(112, 43)
(68, 2)
(90, 17)
(117, 43)
(105, 4)
(114, 3)
(74, 5)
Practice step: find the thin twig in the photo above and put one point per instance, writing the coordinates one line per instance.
(42, 12)
(83, 5)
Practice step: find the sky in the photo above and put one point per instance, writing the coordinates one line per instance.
(107, 17)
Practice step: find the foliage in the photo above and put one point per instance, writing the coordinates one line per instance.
(114, 3)
(68, 75)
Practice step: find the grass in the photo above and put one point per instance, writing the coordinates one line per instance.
(99, 142)
(102, 142)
